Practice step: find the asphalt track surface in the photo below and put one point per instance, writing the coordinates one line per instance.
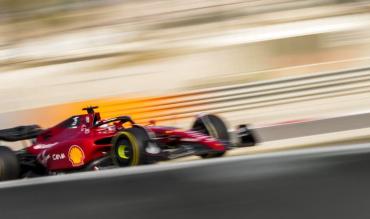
(311, 183)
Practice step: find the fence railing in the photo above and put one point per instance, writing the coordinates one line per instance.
(247, 96)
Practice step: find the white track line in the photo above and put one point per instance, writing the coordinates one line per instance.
(353, 149)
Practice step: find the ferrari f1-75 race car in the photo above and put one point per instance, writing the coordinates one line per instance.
(87, 142)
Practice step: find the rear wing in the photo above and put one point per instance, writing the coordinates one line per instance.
(20, 133)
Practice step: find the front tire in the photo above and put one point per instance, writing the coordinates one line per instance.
(128, 147)
(215, 127)
(9, 164)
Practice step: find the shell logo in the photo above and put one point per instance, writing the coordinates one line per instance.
(76, 155)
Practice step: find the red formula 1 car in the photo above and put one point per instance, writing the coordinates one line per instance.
(87, 142)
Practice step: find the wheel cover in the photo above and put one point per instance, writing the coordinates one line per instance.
(122, 152)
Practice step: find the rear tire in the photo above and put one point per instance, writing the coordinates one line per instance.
(9, 165)
(128, 147)
(215, 127)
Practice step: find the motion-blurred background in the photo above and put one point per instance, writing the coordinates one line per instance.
(252, 61)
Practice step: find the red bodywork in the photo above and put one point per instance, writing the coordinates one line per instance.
(77, 141)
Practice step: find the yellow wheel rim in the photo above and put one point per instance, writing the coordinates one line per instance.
(122, 152)
(134, 151)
